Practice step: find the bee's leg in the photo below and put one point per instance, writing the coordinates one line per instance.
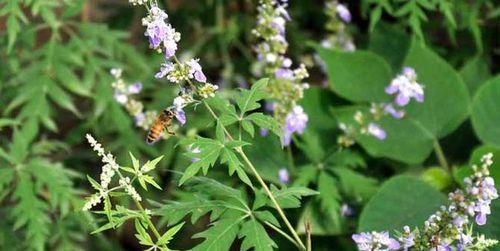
(169, 132)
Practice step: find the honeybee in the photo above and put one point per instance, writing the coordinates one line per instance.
(161, 123)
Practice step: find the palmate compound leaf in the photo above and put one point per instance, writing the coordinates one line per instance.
(29, 212)
(209, 152)
(229, 214)
(402, 200)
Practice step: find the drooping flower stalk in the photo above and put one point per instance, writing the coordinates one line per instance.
(286, 85)
(450, 227)
(338, 36)
(124, 96)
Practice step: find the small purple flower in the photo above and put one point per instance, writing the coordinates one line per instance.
(196, 71)
(269, 106)
(295, 122)
(139, 119)
(135, 88)
(195, 150)
(284, 73)
(170, 47)
(156, 31)
(346, 210)
(408, 240)
(406, 87)
(121, 97)
(343, 13)
(263, 132)
(376, 131)
(165, 69)
(366, 241)
(283, 175)
(180, 115)
(397, 114)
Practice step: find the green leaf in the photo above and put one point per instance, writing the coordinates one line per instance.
(406, 140)
(411, 139)
(266, 122)
(175, 211)
(402, 200)
(29, 212)
(60, 97)
(151, 164)
(437, 177)
(391, 43)
(485, 115)
(248, 100)
(135, 162)
(356, 185)
(357, 76)
(267, 156)
(322, 222)
(442, 111)
(290, 197)
(142, 235)
(248, 127)
(209, 153)
(475, 73)
(220, 235)
(234, 164)
(169, 235)
(329, 196)
(255, 236)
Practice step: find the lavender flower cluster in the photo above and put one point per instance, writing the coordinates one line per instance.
(404, 87)
(124, 96)
(286, 85)
(447, 229)
(338, 18)
(188, 74)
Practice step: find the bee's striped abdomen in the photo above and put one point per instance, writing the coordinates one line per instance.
(155, 131)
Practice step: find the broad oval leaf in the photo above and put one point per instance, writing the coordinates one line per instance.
(485, 112)
(401, 201)
(357, 76)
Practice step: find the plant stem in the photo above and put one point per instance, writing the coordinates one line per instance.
(262, 183)
(440, 155)
(277, 229)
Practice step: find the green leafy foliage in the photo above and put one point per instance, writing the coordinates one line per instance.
(402, 200)
(484, 116)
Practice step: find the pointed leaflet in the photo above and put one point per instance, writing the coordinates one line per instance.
(165, 238)
(248, 100)
(485, 115)
(329, 196)
(255, 236)
(290, 197)
(234, 164)
(209, 153)
(220, 235)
